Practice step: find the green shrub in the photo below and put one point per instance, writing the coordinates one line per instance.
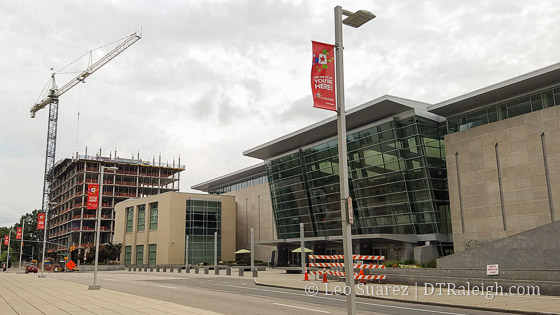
(430, 264)
(409, 261)
(392, 263)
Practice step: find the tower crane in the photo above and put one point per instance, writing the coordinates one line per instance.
(52, 101)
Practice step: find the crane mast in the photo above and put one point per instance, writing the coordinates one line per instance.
(52, 101)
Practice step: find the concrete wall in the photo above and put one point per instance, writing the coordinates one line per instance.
(170, 234)
(490, 202)
(254, 210)
(536, 249)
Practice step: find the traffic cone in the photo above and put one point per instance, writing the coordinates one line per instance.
(361, 274)
(325, 280)
(306, 278)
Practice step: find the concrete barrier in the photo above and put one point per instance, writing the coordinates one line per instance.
(241, 271)
(255, 273)
(206, 270)
(164, 268)
(145, 268)
(216, 270)
(151, 268)
(157, 268)
(134, 268)
(188, 268)
(228, 271)
(129, 268)
(196, 270)
(170, 268)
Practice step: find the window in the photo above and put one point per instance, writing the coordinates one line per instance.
(141, 217)
(153, 215)
(152, 254)
(127, 255)
(129, 219)
(139, 255)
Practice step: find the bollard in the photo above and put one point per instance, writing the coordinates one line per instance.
(179, 269)
(170, 268)
(151, 268)
(241, 271)
(255, 273)
(157, 268)
(164, 268)
(228, 271)
(134, 269)
(196, 271)
(216, 270)
(206, 270)
(188, 268)
(129, 268)
(145, 268)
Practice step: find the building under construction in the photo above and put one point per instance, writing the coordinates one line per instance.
(71, 224)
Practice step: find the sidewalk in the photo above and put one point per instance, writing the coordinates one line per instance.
(28, 294)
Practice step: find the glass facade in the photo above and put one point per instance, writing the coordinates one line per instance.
(153, 216)
(141, 217)
(516, 107)
(203, 219)
(129, 219)
(139, 255)
(397, 179)
(238, 185)
(152, 251)
(127, 255)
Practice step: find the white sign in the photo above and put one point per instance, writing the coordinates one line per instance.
(492, 270)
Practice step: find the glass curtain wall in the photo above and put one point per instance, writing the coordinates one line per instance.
(397, 183)
(505, 110)
(203, 219)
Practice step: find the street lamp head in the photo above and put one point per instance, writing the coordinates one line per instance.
(358, 18)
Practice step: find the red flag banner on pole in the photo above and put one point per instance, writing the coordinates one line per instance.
(323, 76)
(40, 221)
(93, 196)
(18, 233)
(6, 239)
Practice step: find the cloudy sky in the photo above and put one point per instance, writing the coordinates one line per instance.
(211, 79)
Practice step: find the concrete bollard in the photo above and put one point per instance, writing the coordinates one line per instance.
(129, 268)
(157, 268)
(188, 268)
(145, 268)
(151, 268)
(228, 271)
(134, 269)
(179, 269)
(170, 268)
(255, 273)
(196, 270)
(164, 268)
(206, 270)
(241, 271)
(216, 270)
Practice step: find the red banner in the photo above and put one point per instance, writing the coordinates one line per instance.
(323, 76)
(19, 231)
(6, 239)
(40, 221)
(93, 196)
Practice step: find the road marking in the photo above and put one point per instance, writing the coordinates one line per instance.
(357, 302)
(165, 286)
(109, 279)
(302, 308)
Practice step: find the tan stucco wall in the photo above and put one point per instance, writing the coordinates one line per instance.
(523, 179)
(170, 234)
(254, 210)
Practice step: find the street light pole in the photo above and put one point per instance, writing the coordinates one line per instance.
(96, 286)
(355, 19)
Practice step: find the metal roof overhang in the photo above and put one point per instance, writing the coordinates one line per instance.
(251, 171)
(375, 110)
(408, 238)
(517, 86)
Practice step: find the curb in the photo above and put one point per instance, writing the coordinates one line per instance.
(478, 308)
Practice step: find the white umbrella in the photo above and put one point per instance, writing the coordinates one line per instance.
(298, 250)
(242, 251)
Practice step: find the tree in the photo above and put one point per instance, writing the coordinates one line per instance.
(107, 252)
(32, 237)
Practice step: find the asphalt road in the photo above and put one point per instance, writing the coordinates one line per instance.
(241, 296)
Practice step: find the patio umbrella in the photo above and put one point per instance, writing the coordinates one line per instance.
(298, 250)
(242, 251)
